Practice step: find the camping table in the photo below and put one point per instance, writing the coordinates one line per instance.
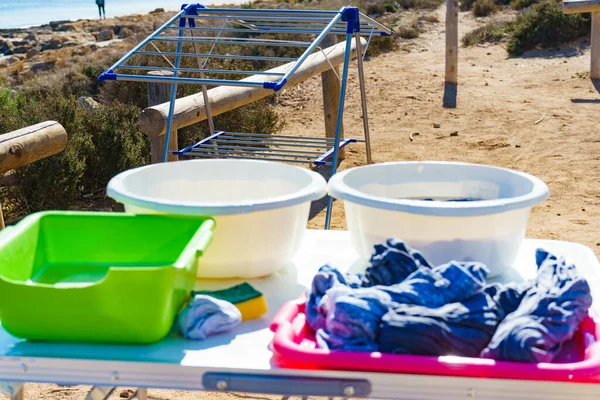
(241, 361)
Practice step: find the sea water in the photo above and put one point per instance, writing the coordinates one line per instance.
(27, 13)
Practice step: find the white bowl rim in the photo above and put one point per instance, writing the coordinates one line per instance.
(315, 190)
(340, 190)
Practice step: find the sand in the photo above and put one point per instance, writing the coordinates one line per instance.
(499, 101)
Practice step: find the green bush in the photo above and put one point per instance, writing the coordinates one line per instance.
(483, 8)
(408, 32)
(521, 4)
(381, 44)
(494, 32)
(420, 4)
(53, 182)
(545, 25)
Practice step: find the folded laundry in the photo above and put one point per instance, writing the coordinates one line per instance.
(548, 315)
(448, 310)
(352, 317)
(205, 316)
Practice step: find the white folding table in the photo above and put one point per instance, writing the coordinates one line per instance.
(241, 361)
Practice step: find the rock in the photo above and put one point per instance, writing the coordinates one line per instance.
(454, 133)
(93, 48)
(105, 35)
(125, 33)
(21, 50)
(88, 103)
(6, 47)
(82, 51)
(12, 60)
(284, 6)
(32, 37)
(66, 28)
(117, 29)
(436, 125)
(32, 53)
(52, 44)
(69, 44)
(158, 10)
(42, 66)
(19, 43)
(55, 25)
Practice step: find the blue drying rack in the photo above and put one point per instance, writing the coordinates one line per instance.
(217, 33)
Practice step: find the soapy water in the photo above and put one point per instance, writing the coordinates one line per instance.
(442, 198)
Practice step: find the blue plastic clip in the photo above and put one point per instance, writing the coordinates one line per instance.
(107, 75)
(351, 15)
(276, 86)
(191, 9)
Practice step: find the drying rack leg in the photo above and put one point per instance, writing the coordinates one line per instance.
(100, 392)
(338, 126)
(211, 125)
(15, 390)
(363, 96)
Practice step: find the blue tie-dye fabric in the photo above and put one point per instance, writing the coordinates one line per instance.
(402, 305)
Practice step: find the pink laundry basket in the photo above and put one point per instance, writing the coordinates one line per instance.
(294, 346)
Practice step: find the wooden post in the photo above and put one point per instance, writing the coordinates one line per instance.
(452, 41)
(331, 96)
(159, 93)
(1, 218)
(30, 144)
(595, 41)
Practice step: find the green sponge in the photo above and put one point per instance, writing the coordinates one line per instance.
(248, 300)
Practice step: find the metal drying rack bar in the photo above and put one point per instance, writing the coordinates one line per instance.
(228, 36)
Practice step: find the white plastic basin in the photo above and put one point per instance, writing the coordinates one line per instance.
(260, 208)
(388, 200)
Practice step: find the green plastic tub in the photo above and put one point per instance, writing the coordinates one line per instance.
(98, 277)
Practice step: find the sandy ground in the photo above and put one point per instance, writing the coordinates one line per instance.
(499, 101)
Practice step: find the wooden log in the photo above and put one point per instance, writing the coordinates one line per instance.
(2, 226)
(159, 93)
(190, 110)
(595, 40)
(30, 144)
(452, 41)
(331, 96)
(584, 6)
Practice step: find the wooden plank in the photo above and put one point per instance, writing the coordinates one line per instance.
(452, 41)
(331, 96)
(190, 110)
(582, 6)
(595, 40)
(30, 144)
(159, 93)
(2, 226)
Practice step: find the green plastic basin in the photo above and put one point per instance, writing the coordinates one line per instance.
(98, 277)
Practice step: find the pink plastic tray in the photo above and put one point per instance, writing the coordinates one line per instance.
(294, 346)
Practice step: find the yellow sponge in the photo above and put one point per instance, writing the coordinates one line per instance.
(244, 297)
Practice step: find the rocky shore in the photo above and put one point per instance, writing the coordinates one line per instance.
(26, 52)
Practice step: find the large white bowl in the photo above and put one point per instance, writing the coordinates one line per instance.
(388, 200)
(260, 208)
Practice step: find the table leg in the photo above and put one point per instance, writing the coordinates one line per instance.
(13, 389)
(141, 394)
(100, 392)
